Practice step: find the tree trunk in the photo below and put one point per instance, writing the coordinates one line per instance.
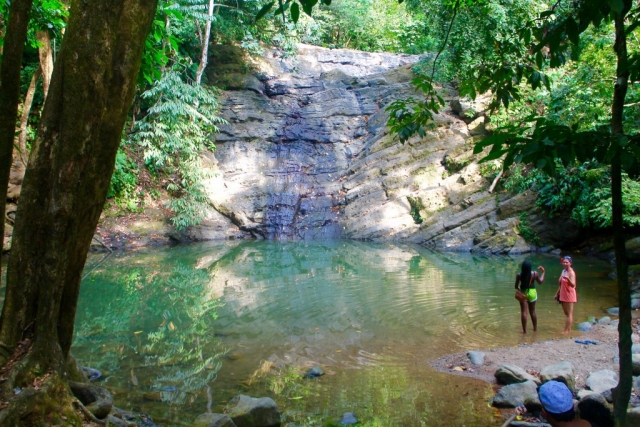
(205, 45)
(623, 390)
(21, 152)
(69, 172)
(45, 54)
(10, 91)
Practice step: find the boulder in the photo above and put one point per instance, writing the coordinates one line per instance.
(605, 320)
(214, 420)
(514, 395)
(602, 380)
(510, 374)
(477, 127)
(463, 108)
(246, 411)
(594, 407)
(476, 357)
(584, 326)
(563, 372)
(314, 372)
(130, 418)
(635, 363)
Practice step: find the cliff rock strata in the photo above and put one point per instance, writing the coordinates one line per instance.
(306, 155)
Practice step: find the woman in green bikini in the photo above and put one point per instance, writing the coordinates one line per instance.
(525, 282)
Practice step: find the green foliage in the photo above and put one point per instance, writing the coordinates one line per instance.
(45, 14)
(490, 170)
(124, 182)
(581, 192)
(124, 179)
(50, 15)
(561, 192)
(596, 210)
(520, 178)
(292, 6)
(378, 26)
(416, 207)
(179, 124)
(525, 230)
(409, 117)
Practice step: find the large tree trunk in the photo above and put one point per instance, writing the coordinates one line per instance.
(69, 171)
(623, 390)
(10, 92)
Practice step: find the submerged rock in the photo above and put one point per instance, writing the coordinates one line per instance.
(314, 372)
(246, 411)
(214, 420)
(91, 373)
(348, 418)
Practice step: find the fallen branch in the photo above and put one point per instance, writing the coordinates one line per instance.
(495, 181)
(511, 418)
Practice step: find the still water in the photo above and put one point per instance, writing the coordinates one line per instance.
(180, 331)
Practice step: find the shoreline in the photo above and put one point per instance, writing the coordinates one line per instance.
(532, 357)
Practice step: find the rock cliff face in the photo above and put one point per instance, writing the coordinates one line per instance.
(306, 155)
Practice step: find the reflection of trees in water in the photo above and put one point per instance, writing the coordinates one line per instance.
(161, 323)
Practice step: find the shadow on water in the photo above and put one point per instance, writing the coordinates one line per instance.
(181, 330)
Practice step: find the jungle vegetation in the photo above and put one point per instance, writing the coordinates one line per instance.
(564, 113)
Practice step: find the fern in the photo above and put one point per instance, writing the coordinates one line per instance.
(179, 123)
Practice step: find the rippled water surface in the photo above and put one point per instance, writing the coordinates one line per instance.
(180, 331)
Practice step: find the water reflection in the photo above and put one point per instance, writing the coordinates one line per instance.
(159, 323)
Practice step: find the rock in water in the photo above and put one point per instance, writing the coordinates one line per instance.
(92, 374)
(314, 372)
(348, 418)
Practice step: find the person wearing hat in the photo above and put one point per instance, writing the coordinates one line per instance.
(567, 294)
(557, 405)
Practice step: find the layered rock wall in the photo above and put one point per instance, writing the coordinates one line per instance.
(307, 155)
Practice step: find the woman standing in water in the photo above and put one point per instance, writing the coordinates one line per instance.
(567, 292)
(525, 282)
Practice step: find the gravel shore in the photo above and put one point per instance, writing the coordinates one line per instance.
(585, 358)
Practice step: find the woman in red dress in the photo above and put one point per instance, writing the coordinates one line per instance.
(567, 292)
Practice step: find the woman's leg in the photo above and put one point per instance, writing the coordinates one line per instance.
(523, 316)
(567, 307)
(532, 312)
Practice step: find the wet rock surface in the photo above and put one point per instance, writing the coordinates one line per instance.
(307, 155)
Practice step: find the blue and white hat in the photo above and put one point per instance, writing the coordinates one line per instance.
(555, 397)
